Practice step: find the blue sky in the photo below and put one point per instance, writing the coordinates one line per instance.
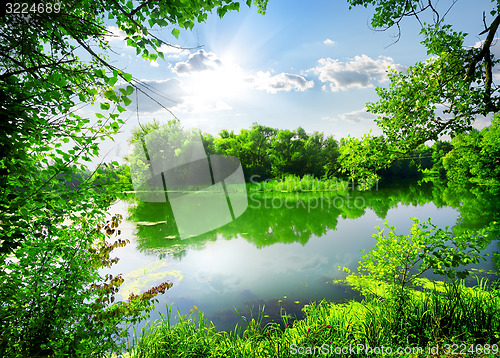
(305, 63)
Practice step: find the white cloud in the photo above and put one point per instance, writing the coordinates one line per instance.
(154, 64)
(197, 62)
(212, 84)
(280, 82)
(329, 42)
(361, 71)
(357, 116)
(494, 44)
(195, 104)
(115, 34)
(173, 52)
(210, 77)
(360, 115)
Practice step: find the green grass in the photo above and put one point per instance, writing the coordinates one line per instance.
(308, 183)
(288, 183)
(444, 314)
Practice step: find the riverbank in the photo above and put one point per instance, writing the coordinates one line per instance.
(447, 319)
(308, 183)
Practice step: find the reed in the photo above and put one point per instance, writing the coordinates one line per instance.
(308, 183)
(442, 314)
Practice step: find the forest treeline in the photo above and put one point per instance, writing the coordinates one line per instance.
(267, 153)
(274, 153)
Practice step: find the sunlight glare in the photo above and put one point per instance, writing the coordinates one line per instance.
(225, 83)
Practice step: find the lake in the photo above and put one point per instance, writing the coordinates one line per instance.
(285, 249)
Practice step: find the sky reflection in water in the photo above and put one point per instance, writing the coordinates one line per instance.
(270, 253)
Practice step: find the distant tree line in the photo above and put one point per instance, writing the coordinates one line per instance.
(272, 153)
(269, 152)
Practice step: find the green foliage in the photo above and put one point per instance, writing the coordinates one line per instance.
(274, 153)
(475, 156)
(443, 315)
(411, 165)
(439, 150)
(408, 108)
(249, 146)
(387, 12)
(188, 337)
(264, 152)
(296, 152)
(399, 260)
(444, 94)
(53, 302)
(154, 142)
(308, 183)
(362, 158)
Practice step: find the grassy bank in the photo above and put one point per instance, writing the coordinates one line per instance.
(287, 183)
(459, 320)
(308, 183)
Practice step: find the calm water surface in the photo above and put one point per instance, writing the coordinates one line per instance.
(283, 251)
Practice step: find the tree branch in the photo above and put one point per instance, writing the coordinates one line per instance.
(485, 55)
(29, 69)
(485, 51)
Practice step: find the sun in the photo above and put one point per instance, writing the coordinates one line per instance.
(219, 85)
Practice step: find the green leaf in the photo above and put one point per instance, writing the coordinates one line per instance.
(221, 11)
(131, 42)
(99, 72)
(176, 32)
(202, 18)
(129, 90)
(111, 95)
(112, 81)
(234, 6)
(127, 76)
(105, 106)
(126, 100)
